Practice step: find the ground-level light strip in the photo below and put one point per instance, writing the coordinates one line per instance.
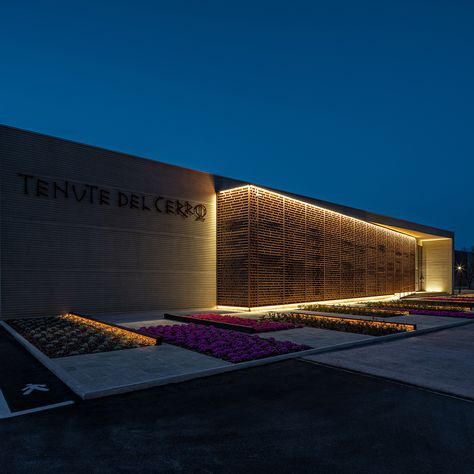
(130, 334)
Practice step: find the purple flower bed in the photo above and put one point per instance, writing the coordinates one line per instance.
(231, 346)
(451, 314)
(258, 326)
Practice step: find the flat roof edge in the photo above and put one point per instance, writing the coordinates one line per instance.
(222, 183)
(227, 183)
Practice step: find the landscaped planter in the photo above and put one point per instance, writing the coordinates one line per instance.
(355, 310)
(446, 302)
(449, 314)
(359, 326)
(231, 346)
(232, 322)
(405, 305)
(68, 335)
(452, 298)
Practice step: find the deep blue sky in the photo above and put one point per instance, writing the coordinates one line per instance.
(369, 104)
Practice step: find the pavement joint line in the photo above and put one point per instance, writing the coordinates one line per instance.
(391, 380)
(78, 389)
(37, 409)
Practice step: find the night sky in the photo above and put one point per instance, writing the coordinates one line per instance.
(369, 104)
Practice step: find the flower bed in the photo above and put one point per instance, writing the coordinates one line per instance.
(233, 322)
(451, 298)
(463, 303)
(359, 326)
(415, 304)
(355, 310)
(231, 346)
(449, 314)
(69, 335)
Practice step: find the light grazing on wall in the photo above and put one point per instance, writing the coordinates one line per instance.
(273, 250)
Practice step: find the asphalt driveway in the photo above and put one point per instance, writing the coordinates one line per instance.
(290, 417)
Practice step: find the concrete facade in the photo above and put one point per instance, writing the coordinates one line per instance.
(438, 265)
(91, 230)
(103, 246)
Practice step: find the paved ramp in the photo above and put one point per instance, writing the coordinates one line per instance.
(441, 361)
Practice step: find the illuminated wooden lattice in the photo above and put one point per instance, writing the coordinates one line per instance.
(273, 250)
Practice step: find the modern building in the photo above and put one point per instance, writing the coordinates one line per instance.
(91, 230)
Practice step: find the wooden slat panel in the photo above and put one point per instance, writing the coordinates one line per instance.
(233, 248)
(399, 265)
(408, 267)
(300, 253)
(361, 253)
(371, 260)
(390, 262)
(412, 260)
(332, 255)
(295, 251)
(347, 289)
(270, 242)
(314, 270)
(381, 261)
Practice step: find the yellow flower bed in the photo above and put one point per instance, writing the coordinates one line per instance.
(355, 310)
(359, 326)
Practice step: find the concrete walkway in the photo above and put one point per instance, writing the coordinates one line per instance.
(106, 373)
(316, 338)
(441, 361)
(97, 375)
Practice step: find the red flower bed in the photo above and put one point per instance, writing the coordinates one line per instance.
(253, 325)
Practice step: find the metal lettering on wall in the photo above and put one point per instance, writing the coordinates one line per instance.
(35, 186)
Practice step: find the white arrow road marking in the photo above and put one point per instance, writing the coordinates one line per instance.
(30, 387)
(5, 411)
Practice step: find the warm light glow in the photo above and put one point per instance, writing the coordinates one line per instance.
(131, 335)
(433, 239)
(257, 188)
(296, 305)
(434, 289)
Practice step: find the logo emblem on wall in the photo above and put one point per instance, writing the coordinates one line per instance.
(35, 186)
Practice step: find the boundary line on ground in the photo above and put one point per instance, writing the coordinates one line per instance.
(5, 411)
(395, 381)
(46, 361)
